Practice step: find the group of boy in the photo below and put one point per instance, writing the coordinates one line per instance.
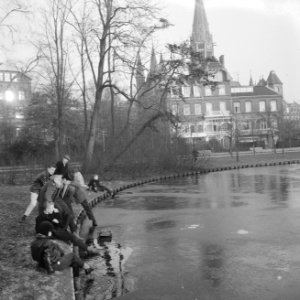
(54, 191)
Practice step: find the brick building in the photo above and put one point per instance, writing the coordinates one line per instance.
(226, 111)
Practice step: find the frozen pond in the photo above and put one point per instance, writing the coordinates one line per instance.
(224, 235)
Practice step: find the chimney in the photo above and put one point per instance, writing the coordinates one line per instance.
(222, 60)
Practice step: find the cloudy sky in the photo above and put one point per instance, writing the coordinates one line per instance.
(256, 36)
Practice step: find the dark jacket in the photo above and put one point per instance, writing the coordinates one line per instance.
(42, 246)
(63, 170)
(63, 217)
(95, 185)
(74, 194)
(39, 182)
(49, 192)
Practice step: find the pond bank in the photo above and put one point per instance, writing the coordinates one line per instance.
(19, 278)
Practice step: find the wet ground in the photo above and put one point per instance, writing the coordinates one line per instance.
(225, 235)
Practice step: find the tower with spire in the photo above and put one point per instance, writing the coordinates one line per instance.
(201, 39)
(213, 100)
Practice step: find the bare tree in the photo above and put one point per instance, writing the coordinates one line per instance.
(111, 36)
(54, 45)
(8, 9)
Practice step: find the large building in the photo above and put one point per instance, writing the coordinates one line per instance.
(220, 108)
(226, 111)
(15, 94)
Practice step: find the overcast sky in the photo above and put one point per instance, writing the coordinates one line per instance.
(256, 36)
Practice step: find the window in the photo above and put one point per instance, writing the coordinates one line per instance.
(175, 109)
(248, 106)
(197, 109)
(245, 125)
(262, 106)
(208, 108)
(21, 95)
(186, 91)
(1, 76)
(186, 109)
(200, 128)
(218, 76)
(236, 107)
(221, 90)
(196, 91)
(173, 92)
(14, 77)
(262, 124)
(207, 91)
(273, 105)
(6, 76)
(247, 89)
(222, 107)
(192, 128)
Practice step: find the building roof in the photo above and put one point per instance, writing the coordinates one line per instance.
(257, 91)
(235, 83)
(262, 82)
(6, 67)
(273, 79)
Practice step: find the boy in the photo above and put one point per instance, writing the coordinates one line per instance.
(96, 186)
(59, 223)
(36, 187)
(50, 255)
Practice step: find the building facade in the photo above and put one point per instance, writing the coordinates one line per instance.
(15, 95)
(225, 110)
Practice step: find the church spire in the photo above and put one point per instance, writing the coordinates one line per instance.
(153, 64)
(201, 39)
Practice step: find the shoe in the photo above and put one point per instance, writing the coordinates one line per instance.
(89, 270)
(95, 224)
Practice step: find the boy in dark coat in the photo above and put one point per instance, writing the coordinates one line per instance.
(50, 255)
(53, 215)
(95, 185)
(36, 187)
(62, 167)
(75, 193)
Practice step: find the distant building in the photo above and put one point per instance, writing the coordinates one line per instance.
(293, 111)
(223, 109)
(15, 95)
